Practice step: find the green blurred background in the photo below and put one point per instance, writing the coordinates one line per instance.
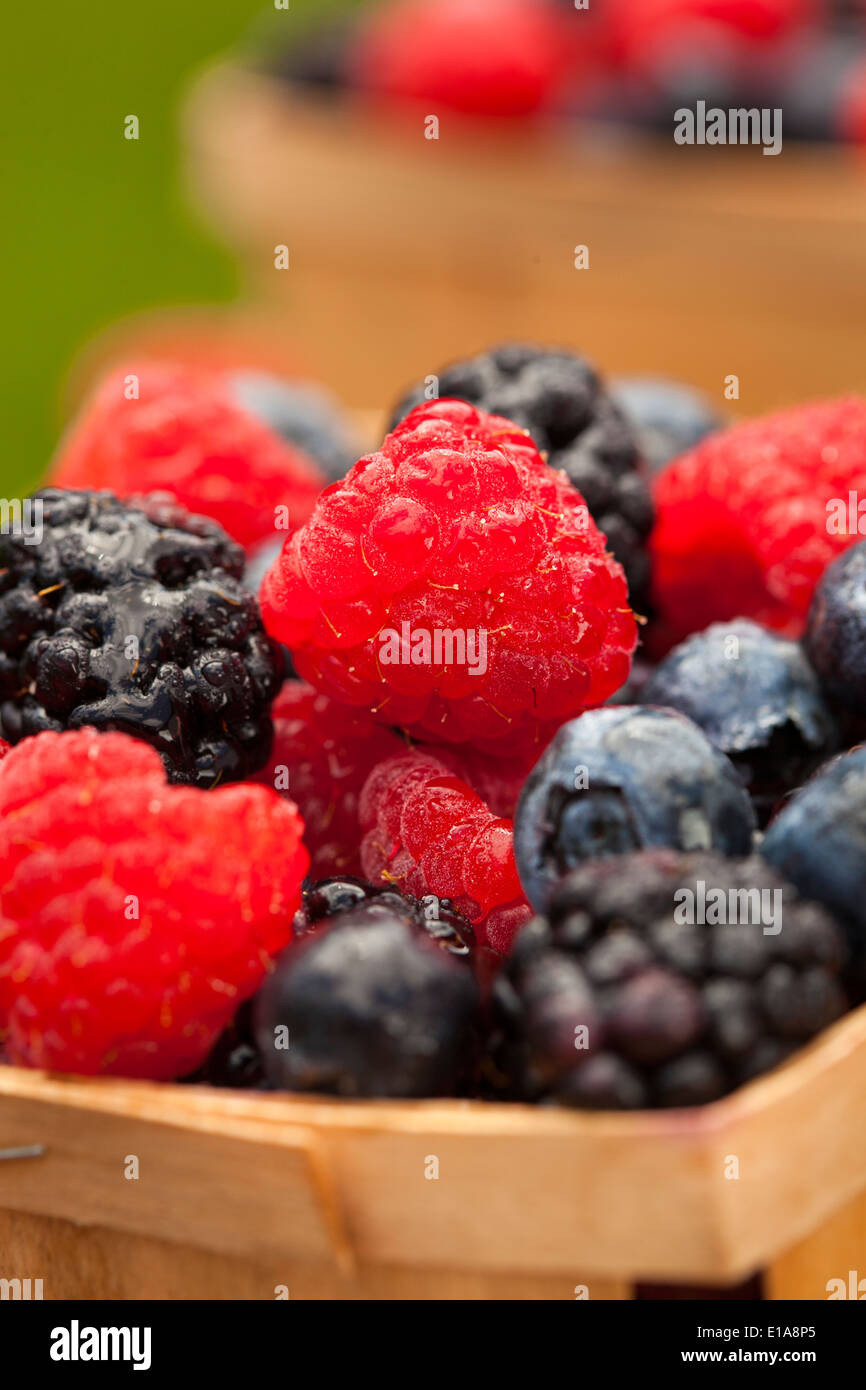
(96, 226)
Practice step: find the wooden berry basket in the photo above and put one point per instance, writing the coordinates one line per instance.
(405, 253)
(257, 1196)
(403, 256)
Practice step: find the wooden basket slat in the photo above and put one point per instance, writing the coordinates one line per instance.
(609, 1196)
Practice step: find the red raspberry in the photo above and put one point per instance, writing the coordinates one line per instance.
(497, 781)
(646, 34)
(184, 434)
(326, 751)
(852, 107)
(428, 832)
(134, 917)
(456, 529)
(481, 57)
(749, 520)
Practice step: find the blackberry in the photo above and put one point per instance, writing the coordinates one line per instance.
(131, 616)
(375, 996)
(438, 917)
(625, 778)
(559, 398)
(756, 698)
(663, 979)
(235, 1062)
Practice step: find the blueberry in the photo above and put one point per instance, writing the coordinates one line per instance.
(260, 561)
(367, 1004)
(631, 693)
(814, 80)
(669, 418)
(836, 629)
(303, 415)
(257, 565)
(756, 698)
(819, 842)
(625, 778)
(317, 57)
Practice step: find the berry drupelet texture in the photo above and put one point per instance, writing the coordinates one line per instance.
(322, 754)
(625, 778)
(454, 585)
(136, 916)
(377, 995)
(438, 917)
(498, 781)
(132, 617)
(756, 698)
(560, 399)
(762, 504)
(164, 427)
(650, 985)
(426, 831)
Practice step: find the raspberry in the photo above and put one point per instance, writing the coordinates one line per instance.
(185, 433)
(851, 112)
(560, 399)
(136, 916)
(761, 504)
(428, 832)
(650, 35)
(664, 979)
(498, 782)
(134, 618)
(323, 753)
(457, 533)
(496, 58)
